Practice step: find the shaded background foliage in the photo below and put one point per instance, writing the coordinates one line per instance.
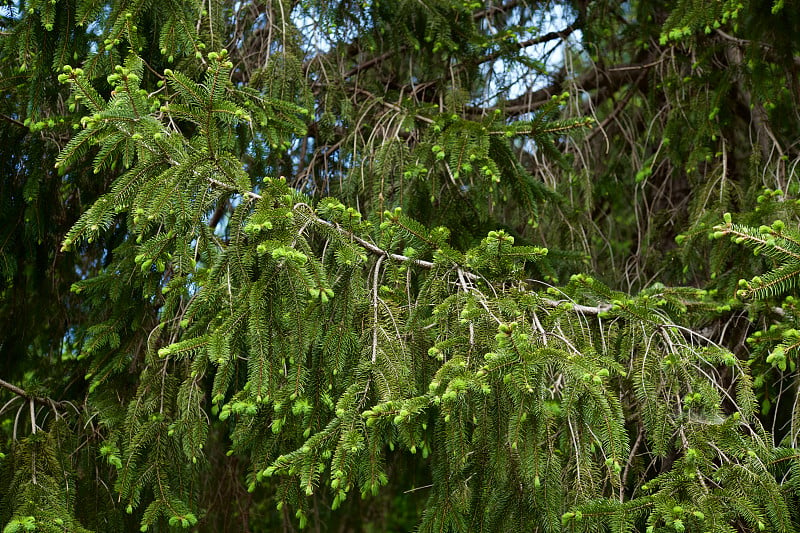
(615, 134)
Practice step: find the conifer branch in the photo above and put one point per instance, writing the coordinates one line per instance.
(509, 385)
(41, 400)
(428, 265)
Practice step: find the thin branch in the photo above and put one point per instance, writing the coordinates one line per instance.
(33, 416)
(619, 108)
(367, 64)
(13, 388)
(747, 42)
(611, 79)
(562, 34)
(13, 121)
(41, 400)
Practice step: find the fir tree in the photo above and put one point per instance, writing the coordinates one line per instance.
(395, 265)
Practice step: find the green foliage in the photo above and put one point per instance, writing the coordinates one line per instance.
(314, 276)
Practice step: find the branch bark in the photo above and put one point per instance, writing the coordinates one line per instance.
(41, 400)
(13, 121)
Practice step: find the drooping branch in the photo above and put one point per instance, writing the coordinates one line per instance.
(373, 248)
(619, 108)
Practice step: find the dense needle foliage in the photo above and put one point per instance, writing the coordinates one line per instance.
(397, 265)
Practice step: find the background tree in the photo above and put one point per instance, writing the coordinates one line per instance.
(262, 258)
